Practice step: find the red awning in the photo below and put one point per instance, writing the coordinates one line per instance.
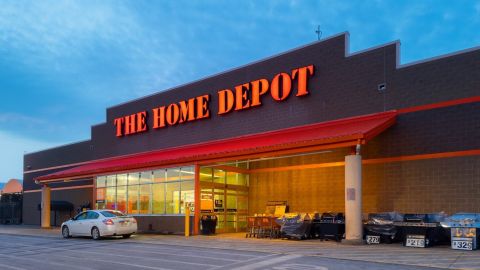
(326, 135)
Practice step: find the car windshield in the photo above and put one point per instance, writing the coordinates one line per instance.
(112, 214)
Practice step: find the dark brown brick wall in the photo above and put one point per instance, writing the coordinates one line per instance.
(447, 129)
(342, 87)
(173, 224)
(77, 197)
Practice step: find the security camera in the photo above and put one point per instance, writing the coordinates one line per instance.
(382, 87)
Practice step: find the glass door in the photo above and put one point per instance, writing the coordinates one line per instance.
(225, 194)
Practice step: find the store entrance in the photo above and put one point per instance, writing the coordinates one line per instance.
(224, 193)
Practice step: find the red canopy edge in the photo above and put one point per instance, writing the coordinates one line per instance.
(337, 133)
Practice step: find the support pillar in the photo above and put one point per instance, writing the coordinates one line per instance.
(196, 217)
(353, 199)
(45, 211)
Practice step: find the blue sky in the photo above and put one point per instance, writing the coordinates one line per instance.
(63, 62)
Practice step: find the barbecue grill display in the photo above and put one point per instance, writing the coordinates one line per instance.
(329, 226)
(379, 228)
(464, 230)
(422, 230)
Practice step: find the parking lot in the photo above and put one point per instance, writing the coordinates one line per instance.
(29, 247)
(34, 252)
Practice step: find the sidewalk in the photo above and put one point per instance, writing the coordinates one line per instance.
(440, 256)
(31, 230)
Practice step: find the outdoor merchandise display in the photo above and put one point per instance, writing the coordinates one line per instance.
(295, 226)
(379, 228)
(422, 230)
(464, 230)
(329, 226)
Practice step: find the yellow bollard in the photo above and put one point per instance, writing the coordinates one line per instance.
(187, 220)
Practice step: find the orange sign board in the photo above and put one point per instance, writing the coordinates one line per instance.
(242, 97)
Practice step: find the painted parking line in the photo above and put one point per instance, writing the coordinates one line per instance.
(61, 250)
(95, 246)
(201, 250)
(245, 262)
(166, 252)
(142, 266)
(70, 265)
(43, 261)
(297, 266)
(216, 250)
(263, 264)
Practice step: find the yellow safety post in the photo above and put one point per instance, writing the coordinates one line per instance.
(187, 220)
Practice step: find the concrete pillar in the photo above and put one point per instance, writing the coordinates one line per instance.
(45, 207)
(353, 199)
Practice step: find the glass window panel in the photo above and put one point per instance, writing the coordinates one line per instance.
(206, 174)
(100, 199)
(132, 205)
(232, 203)
(158, 198)
(242, 203)
(121, 179)
(110, 198)
(243, 165)
(101, 181)
(172, 197)
(232, 178)
(111, 181)
(218, 176)
(159, 176)
(242, 222)
(242, 179)
(218, 203)
(133, 178)
(121, 198)
(220, 222)
(187, 173)
(173, 174)
(146, 177)
(237, 179)
(145, 199)
(187, 196)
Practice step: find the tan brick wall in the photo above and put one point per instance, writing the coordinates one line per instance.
(450, 185)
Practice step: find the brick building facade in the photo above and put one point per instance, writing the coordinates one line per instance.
(428, 161)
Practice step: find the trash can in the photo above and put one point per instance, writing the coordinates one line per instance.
(379, 228)
(422, 230)
(208, 224)
(331, 226)
(464, 230)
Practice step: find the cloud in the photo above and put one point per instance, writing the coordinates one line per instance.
(15, 118)
(13, 147)
(61, 39)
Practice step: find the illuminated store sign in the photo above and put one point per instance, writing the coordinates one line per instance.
(238, 98)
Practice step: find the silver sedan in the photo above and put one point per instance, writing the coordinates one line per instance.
(100, 223)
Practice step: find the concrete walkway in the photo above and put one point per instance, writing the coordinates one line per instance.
(439, 256)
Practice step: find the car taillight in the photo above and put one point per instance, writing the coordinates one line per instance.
(108, 222)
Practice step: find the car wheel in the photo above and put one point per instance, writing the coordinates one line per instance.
(126, 236)
(95, 233)
(65, 232)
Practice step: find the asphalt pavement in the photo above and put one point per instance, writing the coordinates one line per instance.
(24, 252)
